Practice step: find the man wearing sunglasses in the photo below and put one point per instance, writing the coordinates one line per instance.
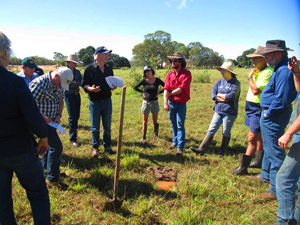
(176, 94)
(48, 92)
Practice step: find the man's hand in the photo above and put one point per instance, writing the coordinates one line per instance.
(48, 120)
(284, 140)
(57, 119)
(294, 66)
(94, 88)
(42, 147)
(166, 106)
(114, 87)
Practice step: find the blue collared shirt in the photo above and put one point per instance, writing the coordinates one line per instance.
(280, 92)
(26, 79)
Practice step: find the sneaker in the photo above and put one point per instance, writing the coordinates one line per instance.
(267, 196)
(74, 143)
(179, 152)
(109, 151)
(95, 152)
(172, 146)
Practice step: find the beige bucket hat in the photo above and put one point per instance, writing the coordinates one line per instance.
(255, 54)
(73, 58)
(227, 65)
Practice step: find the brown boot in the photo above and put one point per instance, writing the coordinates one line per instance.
(144, 130)
(203, 146)
(267, 196)
(156, 126)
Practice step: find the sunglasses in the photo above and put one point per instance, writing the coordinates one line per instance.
(146, 71)
(174, 60)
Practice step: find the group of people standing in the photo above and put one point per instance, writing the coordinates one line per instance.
(32, 107)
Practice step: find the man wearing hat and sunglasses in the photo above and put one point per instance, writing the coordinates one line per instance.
(99, 93)
(72, 98)
(176, 95)
(258, 79)
(276, 106)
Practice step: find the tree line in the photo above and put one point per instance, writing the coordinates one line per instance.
(152, 51)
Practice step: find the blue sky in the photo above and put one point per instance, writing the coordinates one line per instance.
(228, 27)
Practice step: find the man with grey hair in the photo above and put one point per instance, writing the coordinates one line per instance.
(276, 106)
(48, 92)
(20, 119)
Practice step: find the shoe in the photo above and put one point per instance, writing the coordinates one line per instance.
(109, 151)
(95, 152)
(221, 153)
(245, 161)
(179, 152)
(74, 143)
(172, 146)
(267, 196)
(257, 177)
(57, 184)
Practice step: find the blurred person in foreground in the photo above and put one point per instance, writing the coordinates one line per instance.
(276, 105)
(288, 176)
(258, 79)
(20, 118)
(48, 92)
(225, 93)
(27, 72)
(72, 98)
(99, 94)
(176, 95)
(150, 98)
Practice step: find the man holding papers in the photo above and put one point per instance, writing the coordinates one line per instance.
(99, 93)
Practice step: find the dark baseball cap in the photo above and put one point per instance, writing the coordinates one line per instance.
(29, 62)
(102, 49)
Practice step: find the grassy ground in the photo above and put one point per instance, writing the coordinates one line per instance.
(205, 192)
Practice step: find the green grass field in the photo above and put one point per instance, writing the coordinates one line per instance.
(205, 192)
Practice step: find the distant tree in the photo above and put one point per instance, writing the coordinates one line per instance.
(15, 61)
(59, 59)
(243, 60)
(116, 62)
(43, 61)
(86, 55)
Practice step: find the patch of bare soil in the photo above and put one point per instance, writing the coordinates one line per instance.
(163, 173)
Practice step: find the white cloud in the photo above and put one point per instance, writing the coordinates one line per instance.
(168, 4)
(182, 4)
(43, 42)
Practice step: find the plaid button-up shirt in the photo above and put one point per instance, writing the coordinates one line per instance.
(46, 95)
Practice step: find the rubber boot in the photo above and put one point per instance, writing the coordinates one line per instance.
(245, 161)
(156, 126)
(258, 159)
(203, 146)
(224, 145)
(144, 130)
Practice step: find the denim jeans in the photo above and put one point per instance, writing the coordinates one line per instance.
(29, 171)
(177, 115)
(216, 122)
(73, 103)
(287, 182)
(272, 128)
(98, 110)
(52, 159)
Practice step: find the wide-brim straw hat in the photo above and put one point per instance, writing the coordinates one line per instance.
(226, 66)
(255, 53)
(178, 55)
(274, 46)
(73, 58)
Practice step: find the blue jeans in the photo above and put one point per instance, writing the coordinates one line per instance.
(98, 110)
(272, 128)
(216, 122)
(29, 171)
(287, 182)
(177, 115)
(52, 159)
(73, 103)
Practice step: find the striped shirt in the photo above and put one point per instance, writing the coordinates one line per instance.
(46, 95)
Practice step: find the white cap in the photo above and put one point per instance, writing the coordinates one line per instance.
(66, 76)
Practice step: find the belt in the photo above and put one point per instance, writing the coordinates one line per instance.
(102, 101)
(264, 108)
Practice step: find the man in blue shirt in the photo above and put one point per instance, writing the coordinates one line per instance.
(275, 101)
(27, 73)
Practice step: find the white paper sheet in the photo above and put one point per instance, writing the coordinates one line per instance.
(114, 80)
(58, 127)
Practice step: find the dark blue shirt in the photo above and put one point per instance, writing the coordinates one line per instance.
(280, 92)
(74, 88)
(19, 116)
(232, 89)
